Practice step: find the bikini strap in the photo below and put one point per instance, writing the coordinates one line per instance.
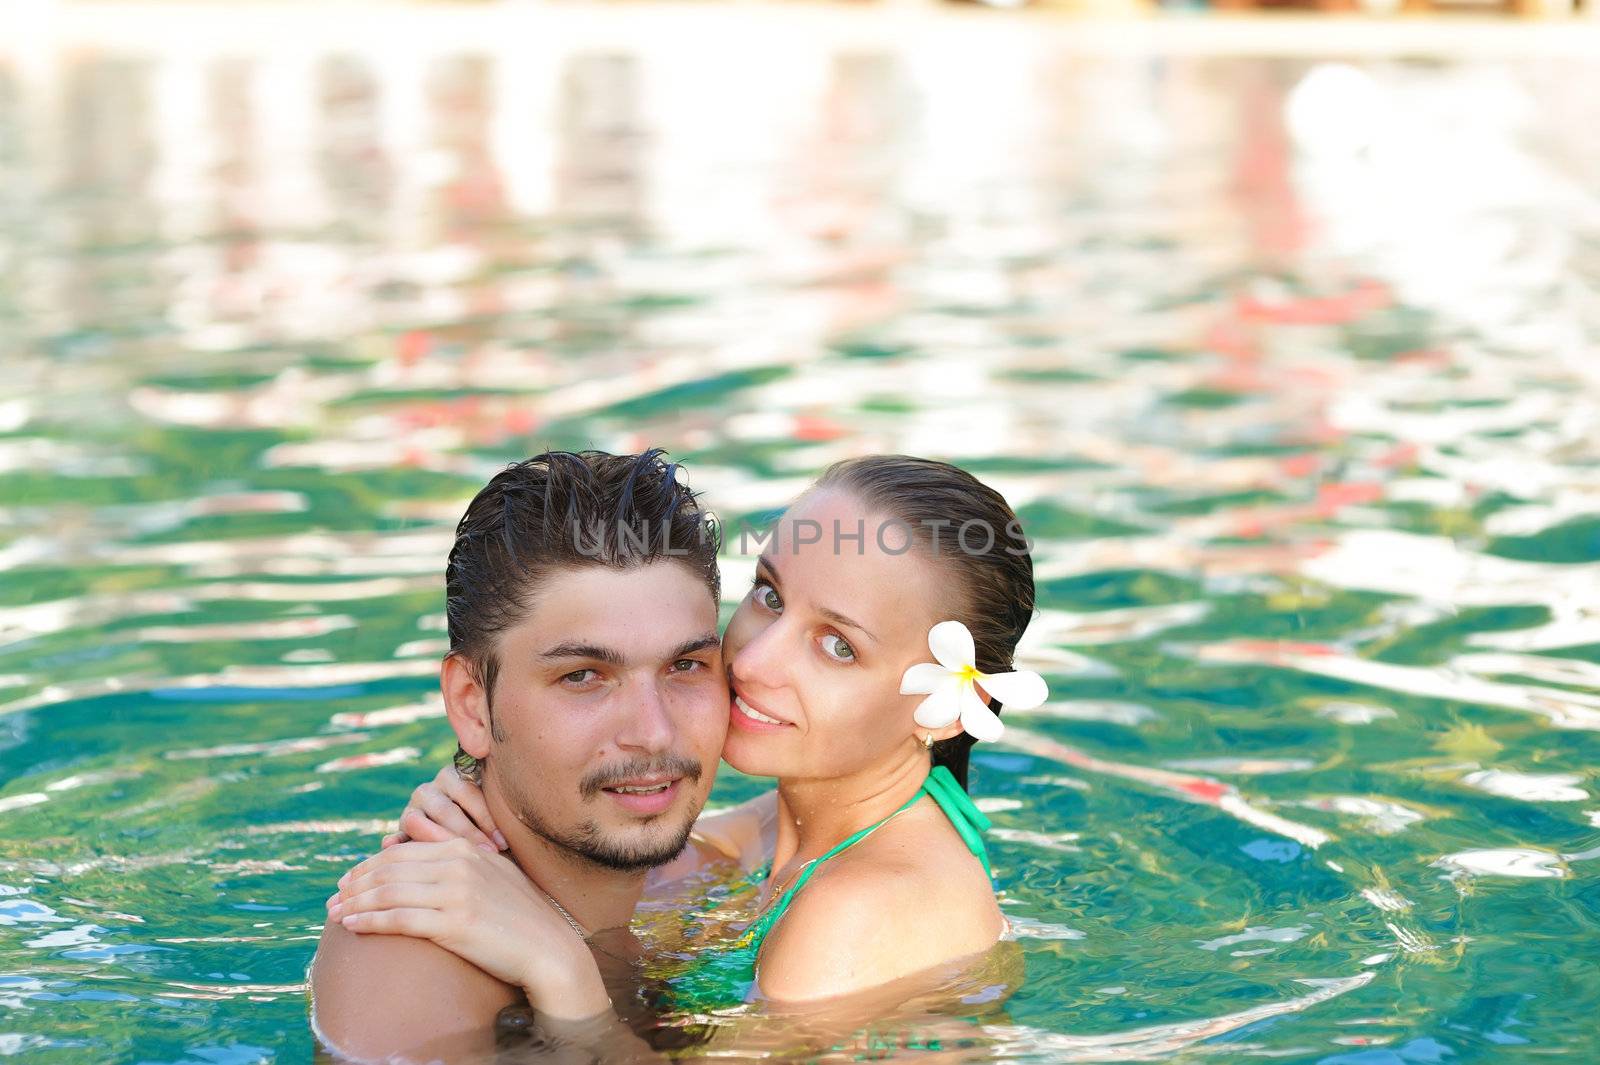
(965, 817)
(849, 842)
(968, 821)
(758, 929)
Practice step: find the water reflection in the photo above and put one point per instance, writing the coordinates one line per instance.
(601, 141)
(1285, 364)
(352, 160)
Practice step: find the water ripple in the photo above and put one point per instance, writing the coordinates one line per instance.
(1286, 363)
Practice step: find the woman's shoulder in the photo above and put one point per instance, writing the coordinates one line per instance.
(922, 847)
(897, 903)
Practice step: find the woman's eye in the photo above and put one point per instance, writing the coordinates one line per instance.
(767, 596)
(835, 647)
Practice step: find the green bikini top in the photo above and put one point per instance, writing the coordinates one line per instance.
(724, 975)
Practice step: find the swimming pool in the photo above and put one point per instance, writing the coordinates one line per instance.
(1288, 362)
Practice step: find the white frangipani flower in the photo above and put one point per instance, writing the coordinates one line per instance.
(949, 685)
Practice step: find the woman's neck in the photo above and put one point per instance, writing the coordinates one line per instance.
(815, 814)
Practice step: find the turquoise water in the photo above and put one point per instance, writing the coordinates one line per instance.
(1289, 365)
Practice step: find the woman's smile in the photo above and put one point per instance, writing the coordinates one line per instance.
(745, 716)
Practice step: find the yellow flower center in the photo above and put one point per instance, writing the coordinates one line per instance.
(969, 674)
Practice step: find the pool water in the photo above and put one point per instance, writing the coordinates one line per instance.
(1289, 365)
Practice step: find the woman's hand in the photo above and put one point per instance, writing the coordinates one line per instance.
(478, 905)
(445, 808)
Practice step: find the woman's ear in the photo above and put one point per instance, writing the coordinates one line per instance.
(466, 704)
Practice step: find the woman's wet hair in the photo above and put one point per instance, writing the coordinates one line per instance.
(566, 509)
(961, 523)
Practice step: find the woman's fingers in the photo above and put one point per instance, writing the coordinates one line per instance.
(391, 839)
(417, 825)
(378, 881)
(410, 851)
(377, 875)
(447, 807)
(428, 793)
(443, 811)
(416, 922)
(403, 894)
(469, 797)
(411, 861)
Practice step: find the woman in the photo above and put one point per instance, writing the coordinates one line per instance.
(880, 561)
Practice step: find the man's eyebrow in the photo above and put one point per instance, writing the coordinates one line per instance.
(832, 615)
(614, 658)
(583, 650)
(699, 643)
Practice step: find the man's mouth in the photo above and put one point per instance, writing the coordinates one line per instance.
(641, 785)
(645, 796)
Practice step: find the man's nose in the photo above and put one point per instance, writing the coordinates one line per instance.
(647, 724)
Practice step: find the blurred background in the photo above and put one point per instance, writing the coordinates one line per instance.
(1278, 329)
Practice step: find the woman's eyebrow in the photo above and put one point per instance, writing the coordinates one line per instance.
(839, 619)
(832, 615)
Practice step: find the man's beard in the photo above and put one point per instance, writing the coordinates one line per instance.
(587, 841)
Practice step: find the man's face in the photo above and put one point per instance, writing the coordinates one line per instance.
(610, 709)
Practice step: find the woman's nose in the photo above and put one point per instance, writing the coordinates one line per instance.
(760, 662)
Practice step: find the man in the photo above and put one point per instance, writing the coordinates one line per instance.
(585, 681)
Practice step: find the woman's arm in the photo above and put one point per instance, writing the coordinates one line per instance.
(478, 905)
(745, 833)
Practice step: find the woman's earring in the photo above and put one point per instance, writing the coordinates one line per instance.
(927, 741)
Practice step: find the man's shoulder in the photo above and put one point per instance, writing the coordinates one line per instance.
(374, 996)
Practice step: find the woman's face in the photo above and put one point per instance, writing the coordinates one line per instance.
(819, 643)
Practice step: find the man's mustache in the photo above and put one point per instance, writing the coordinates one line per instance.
(675, 765)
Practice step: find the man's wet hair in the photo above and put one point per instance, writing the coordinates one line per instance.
(563, 510)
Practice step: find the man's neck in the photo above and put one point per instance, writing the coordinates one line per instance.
(595, 896)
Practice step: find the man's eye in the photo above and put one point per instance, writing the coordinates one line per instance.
(835, 647)
(767, 596)
(687, 665)
(579, 676)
